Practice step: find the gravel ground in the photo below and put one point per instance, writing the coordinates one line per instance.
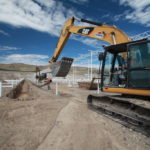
(63, 122)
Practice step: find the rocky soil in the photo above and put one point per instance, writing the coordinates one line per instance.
(37, 119)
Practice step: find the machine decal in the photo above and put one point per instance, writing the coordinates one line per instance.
(100, 34)
(86, 31)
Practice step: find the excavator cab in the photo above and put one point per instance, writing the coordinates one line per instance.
(126, 65)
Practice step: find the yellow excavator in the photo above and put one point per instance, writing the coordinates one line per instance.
(117, 59)
(100, 31)
(125, 70)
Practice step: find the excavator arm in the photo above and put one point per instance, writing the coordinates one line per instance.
(65, 34)
(100, 31)
(103, 32)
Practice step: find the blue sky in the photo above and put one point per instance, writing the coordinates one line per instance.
(29, 29)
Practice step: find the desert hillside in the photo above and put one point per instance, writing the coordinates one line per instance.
(20, 67)
(19, 70)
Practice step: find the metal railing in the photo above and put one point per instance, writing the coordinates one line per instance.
(8, 84)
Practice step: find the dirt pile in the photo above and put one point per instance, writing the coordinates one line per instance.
(25, 90)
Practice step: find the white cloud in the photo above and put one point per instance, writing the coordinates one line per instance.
(121, 16)
(105, 16)
(137, 4)
(80, 1)
(8, 48)
(4, 33)
(32, 59)
(140, 12)
(42, 15)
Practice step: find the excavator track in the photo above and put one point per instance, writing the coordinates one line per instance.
(62, 67)
(132, 115)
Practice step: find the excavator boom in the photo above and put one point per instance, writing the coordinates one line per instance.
(102, 32)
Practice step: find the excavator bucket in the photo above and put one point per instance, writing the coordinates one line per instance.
(62, 67)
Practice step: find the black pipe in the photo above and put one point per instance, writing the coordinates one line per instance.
(91, 22)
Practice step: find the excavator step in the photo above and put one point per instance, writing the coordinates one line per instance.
(129, 114)
(62, 67)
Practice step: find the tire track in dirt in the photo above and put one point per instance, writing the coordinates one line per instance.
(51, 128)
(76, 128)
(79, 128)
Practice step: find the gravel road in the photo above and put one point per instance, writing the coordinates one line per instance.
(63, 122)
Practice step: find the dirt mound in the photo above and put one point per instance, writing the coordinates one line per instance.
(25, 90)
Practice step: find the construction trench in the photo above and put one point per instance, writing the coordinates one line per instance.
(33, 118)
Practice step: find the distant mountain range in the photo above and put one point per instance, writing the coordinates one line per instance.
(20, 67)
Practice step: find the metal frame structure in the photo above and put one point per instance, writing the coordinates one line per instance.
(86, 59)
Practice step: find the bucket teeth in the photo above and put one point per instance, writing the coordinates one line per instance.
(62, 67)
